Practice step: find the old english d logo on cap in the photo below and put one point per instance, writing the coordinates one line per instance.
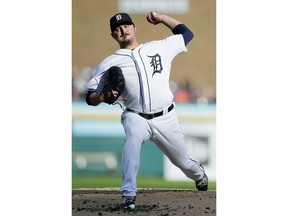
(119, 19)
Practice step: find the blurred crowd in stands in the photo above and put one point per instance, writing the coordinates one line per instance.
(184, 91)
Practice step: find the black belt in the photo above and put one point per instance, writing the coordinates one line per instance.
(152, 115)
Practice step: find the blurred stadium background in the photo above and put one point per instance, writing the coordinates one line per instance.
(97, 134)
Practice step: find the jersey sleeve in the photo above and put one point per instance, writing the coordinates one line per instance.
(175, 45)
(184, 31)
(97, 81)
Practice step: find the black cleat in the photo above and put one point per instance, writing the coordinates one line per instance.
(128, 202)
(202, 185)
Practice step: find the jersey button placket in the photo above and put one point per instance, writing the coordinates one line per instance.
(140, 82)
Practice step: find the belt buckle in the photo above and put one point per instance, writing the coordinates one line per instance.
(150, 116)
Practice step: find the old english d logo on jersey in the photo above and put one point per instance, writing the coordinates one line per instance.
(156, 63)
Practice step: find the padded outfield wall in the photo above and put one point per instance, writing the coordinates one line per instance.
(98, 138)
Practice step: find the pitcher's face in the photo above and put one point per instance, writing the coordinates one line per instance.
(124, 35)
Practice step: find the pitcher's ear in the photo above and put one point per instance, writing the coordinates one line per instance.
(112, 35)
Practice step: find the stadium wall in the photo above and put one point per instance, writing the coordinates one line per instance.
(98, 138)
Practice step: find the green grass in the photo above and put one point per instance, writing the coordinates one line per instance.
(142, 182)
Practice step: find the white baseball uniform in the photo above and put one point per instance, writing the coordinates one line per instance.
(146, 70)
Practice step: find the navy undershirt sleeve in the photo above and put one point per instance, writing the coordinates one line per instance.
(186, 33)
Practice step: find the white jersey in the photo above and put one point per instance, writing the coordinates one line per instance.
(146, 70)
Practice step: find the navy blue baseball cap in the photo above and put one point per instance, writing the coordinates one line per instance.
(120, 19)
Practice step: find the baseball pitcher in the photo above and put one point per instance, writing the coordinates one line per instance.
(139, 73)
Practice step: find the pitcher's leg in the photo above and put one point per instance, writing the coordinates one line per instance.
(179, 157)
(130, 166)
(169, 138)
(137, 132)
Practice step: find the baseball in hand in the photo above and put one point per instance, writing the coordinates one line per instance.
(151, 17)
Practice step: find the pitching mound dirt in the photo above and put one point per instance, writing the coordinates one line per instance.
(86, 202)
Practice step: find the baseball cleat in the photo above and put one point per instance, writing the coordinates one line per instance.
(128, 202)
(202, 185)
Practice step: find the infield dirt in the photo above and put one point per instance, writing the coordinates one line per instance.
(150, 202)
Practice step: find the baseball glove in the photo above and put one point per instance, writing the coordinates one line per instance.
(114, 82)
